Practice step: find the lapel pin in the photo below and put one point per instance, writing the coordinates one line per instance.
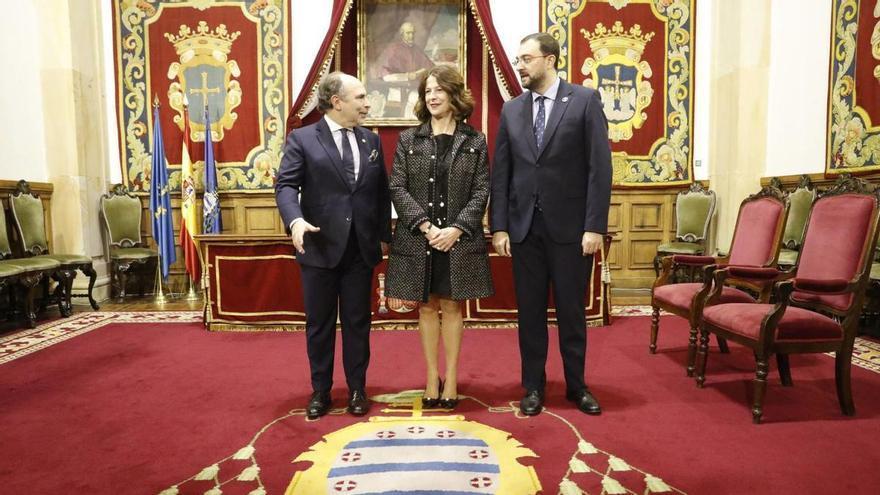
(564, 99)
(363, 140)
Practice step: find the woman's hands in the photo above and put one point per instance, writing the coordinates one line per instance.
(443, 239)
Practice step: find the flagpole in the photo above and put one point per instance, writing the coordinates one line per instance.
(160, 207)
(159, 296)
(192, 294)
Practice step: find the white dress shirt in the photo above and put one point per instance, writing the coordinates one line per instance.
(336, 131)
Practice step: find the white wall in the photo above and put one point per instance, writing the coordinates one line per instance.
(22, 134)
(307, 37)
(702, 82)
(799, 54)
(114, 175)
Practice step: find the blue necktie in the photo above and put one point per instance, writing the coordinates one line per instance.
(539, 122)
(347, 156)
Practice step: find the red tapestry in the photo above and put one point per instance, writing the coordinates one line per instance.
(639, 55)
(853, 137)
(230, 59)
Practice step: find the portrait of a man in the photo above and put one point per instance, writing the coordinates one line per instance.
(398, 41)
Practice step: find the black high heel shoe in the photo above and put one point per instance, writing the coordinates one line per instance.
(448, 403)
(432, 402)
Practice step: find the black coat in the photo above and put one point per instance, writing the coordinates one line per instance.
(468, 191)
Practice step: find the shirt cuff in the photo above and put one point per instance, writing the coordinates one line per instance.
(300, 219)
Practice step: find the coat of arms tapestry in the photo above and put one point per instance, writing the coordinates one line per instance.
(639, 54)
(228, 60)
(853, 137)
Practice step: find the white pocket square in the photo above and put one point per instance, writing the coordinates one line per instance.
(373, 155)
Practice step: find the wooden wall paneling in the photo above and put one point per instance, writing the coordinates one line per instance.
(639, 219)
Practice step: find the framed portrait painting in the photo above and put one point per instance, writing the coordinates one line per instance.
(398, 41)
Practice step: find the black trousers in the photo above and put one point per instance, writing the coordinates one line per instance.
(342, 290)
(538, 263)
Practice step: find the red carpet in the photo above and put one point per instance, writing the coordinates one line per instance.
(140, 407)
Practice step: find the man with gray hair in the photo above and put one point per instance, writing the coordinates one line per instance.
(332, 192)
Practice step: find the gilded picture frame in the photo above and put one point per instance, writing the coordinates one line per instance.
(397, 41)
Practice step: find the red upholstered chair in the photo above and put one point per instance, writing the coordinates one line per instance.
(756, 241)
(817, 306)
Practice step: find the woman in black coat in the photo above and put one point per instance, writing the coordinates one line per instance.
(440, 186)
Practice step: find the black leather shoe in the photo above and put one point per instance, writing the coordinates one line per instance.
(358, 403)
(584, 401)
(532, 403)
(319, 405)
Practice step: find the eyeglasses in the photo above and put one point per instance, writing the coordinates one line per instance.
(527, 59)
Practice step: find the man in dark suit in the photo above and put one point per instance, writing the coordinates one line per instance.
(332, 191)
(551, 189)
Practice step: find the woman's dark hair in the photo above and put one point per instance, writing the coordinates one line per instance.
(450, 80)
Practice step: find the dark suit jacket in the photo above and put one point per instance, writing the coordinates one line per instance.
(571, 173)
(311, 184)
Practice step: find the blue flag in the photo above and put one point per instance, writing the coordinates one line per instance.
(213, 223)
(160, 202)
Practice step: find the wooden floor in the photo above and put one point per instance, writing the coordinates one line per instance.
(149, 303)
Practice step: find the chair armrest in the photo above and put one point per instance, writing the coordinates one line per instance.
(754, 272)
(830, 286)
(693, 260)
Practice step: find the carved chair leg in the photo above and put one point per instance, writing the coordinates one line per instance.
(702, 356)
(655, 329)
(692, 350)
(90, 272)
(122, 277)
(784, 369)
(142, 279)
(722, 345)
(62, 292)
(68, 292)
(29, 287)
(44, 301)
(842, 368)
(760, 388)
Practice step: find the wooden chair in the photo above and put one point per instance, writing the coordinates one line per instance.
(693, 212)
(24, 273)
(756, 240)
(28, 216)
(817, 305)
(800, 200)
(121, 212)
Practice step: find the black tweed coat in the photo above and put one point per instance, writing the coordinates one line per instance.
(409, 262)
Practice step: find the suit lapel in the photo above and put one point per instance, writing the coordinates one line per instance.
(528, 121)
(325, 137)
(559, 106)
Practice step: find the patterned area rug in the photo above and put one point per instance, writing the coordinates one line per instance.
(153, 403)
(866, 352)
(24, 342)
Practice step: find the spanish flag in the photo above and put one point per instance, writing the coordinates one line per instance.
(189, 223)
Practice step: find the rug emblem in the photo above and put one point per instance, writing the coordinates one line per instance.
(415, 453)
